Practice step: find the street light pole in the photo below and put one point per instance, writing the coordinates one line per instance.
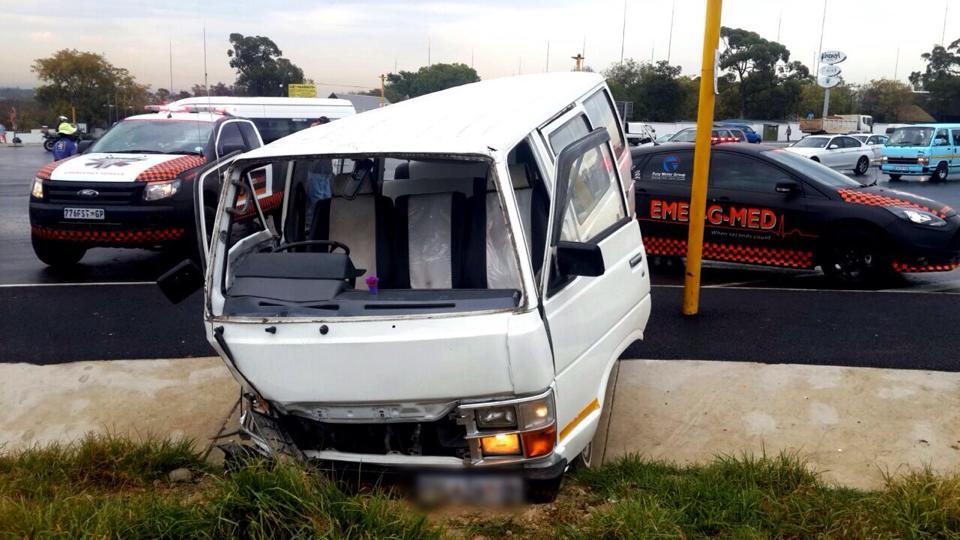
(701, 157)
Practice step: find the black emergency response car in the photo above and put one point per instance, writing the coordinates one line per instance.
(766, 206)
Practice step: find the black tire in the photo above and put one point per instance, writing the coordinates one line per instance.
(940, 173)
(894, 177)
(855, 258)
(542, 491)
(48, 144)
(57, 254)
(863, 165)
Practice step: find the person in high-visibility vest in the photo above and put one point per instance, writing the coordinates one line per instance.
(65, 145)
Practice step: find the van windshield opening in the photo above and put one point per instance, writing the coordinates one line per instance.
(911, 136)
(379, 236)
(155, 137)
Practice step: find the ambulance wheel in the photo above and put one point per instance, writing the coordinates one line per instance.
(863, 164)
(57, 254)
(894, 177)
(593, 455)
(940, 173)
(854, 257)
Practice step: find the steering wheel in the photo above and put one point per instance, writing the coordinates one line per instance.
(331, 243)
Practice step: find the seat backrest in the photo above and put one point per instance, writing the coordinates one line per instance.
(430, 236)
(361, 221)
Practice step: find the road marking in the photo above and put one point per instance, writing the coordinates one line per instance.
(87, 284)
(798, 289)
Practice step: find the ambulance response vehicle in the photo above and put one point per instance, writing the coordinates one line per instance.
(460, 300)
(134, 187)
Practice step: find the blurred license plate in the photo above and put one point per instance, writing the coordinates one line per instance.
(83, 213)
(470, 489)
(901, 169)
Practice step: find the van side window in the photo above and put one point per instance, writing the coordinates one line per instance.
(941, 139)
(956, 137)
(249, 135)
(570, 131)
(595, 198)
(600, 111)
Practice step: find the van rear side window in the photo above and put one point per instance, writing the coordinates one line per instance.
(272, 129)
(601, 113)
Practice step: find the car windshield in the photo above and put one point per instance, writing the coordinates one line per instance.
(155, 137)
(911, 136)
(812, 142)
(687, 135)
(813, 169)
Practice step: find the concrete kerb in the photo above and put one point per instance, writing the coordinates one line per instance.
(849, 423)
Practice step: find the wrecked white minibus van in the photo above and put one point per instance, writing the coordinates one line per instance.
(455, 298)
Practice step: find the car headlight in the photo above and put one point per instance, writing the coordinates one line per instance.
(37, 191)
(883, 159)
(923, 161)
(524, 428)
(920, 217)
(160, 190)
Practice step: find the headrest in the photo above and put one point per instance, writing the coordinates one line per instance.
(344, 184)
(518, 177)
(446, 169)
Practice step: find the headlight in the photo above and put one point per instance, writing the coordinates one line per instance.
(922, 160)
(37, 191)
(160, 190)
(497, 417)
(883, 159)
(524, 428)
(920, 217)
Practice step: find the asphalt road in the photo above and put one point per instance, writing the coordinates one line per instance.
(108, 307)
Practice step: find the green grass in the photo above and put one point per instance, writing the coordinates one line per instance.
(109, 487)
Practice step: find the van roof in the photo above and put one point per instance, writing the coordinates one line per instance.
(177, 116)
(273, 101)
(478, 118)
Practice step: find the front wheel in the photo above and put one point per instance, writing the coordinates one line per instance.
(863, 164)
(48, 144)
(854, 258)
(595, 452)
(57, 254)
(940, 173)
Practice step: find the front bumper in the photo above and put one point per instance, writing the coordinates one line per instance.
(905, 170)
(128, 220)
(925, 250)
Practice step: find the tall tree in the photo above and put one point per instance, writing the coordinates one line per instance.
(657, 91)
(90, 84)
(409, 84)
(219, 89)
(941, 78)
(759, 65)
(885, 99)
(261, 68)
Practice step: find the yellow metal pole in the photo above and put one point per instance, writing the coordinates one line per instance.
(382, 78)
(701, 160)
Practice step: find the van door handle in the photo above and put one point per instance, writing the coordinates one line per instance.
(637, 259)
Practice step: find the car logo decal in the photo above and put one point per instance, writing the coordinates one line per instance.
(107, 162)
(90, 193)
(670, 164)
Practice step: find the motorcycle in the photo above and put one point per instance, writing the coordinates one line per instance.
(49, 139)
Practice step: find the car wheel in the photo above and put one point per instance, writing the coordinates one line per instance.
(863, 164)
(855, 257)
(894, 177)
(940, 173)
(57, 254)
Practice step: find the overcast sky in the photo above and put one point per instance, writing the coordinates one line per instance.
(343, 44)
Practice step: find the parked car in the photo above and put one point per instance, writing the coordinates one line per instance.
(459, 302)
(639, 133)
(874, 142)
(841, 152)
(751, 134)
(931, 150)
(738, 134)
(717, 136)
(773, 207)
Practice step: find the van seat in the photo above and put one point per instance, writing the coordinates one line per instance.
(361, 222)
(430, 234)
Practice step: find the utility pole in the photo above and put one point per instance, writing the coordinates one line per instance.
(623, 35)
(896, 64)
(171, 67)
(383, 78)
(779, 24)
(943, 34)
(826, 91)
(429, 63)
(673, 10)
(547, 65)
(701, 158)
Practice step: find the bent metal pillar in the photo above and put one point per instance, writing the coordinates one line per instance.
(701, 160)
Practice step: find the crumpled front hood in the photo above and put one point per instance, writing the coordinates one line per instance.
(877, 196)
(120, 167)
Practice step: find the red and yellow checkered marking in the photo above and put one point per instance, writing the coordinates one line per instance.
(168, 170)
(131, 236)
(910, 268)
(787, 258)
(47, 170)
(267, 203)
(853, 196)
